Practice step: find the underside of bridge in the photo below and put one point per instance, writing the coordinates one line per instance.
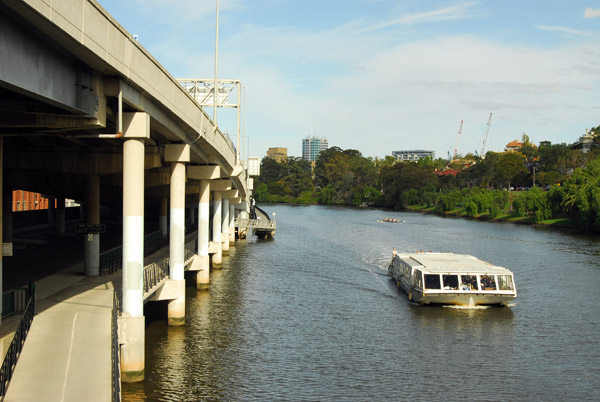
(87, 114)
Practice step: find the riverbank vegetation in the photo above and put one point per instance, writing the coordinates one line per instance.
(552, 184)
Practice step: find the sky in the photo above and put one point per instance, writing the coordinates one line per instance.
(386, 75)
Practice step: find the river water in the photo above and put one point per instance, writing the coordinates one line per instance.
(312, 316)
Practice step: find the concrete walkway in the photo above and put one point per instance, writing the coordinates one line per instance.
(67, 354)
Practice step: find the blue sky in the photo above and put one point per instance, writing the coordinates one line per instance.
(386, 75)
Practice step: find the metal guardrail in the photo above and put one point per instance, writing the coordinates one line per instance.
(155, 273)
(115, 350)
(191, 248)
(15, 301)
(255, 223)
(16, 346)
(112, 260)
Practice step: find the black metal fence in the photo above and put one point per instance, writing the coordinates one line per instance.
(16, 346)
(112, 260)
(15, 301)
(154, 273)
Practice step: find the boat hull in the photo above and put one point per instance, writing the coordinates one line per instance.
(461, 299)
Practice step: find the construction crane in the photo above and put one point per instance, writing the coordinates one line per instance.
(485, 136)
(457, 138)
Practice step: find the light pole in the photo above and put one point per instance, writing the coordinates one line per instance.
(216, 85)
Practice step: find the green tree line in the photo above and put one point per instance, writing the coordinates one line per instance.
(560, 182)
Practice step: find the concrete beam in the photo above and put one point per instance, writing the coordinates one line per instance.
(220, 185)
(177, 153)
(204, 172)
(230, 194)
(136, 125)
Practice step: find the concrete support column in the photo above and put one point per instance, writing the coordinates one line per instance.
(92, 215)
(162, 217)
(132, 350)
(203, 276)
(7, 223)
(217, 258)
(177, 154)
(60, 215)
(231, 224)
(51, 210)
(206, 175)
(225, 225)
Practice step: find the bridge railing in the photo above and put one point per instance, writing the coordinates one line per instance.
(112, 260)
(16, 346)
(255, 223)
(16, 300)
(191, 248)
(155, 273)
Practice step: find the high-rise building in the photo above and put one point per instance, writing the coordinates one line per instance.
(312, 147)
(278, 154)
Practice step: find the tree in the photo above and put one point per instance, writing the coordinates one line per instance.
(510, 168)
(582, 195)
(401, 177)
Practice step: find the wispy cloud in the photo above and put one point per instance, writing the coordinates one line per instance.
(566, 30)
(591, 13)
(441, 14)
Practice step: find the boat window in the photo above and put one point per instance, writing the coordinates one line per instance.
(488, 282)
(450, 282)
(505, 282)
(418, 280)
(468, 282)
(432, 281)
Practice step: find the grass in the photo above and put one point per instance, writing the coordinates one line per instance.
(512, 217)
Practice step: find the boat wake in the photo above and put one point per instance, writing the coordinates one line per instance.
(468, 307)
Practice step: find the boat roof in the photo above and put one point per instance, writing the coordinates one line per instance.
(451, 263)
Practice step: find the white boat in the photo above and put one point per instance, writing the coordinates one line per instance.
(454, 279)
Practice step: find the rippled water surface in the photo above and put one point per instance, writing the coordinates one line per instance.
(313, 316)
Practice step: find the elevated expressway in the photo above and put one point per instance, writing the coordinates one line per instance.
(86, 113)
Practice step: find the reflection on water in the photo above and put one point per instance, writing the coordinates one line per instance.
(312, 315)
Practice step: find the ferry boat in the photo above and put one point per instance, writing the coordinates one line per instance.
(452, 279)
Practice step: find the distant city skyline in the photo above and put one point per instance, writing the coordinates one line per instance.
(382, 75)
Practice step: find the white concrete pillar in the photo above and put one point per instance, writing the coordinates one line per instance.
(217, 258)
(203, 276)
(132, 351)
(178, 155)
(201, 262)
(60, 215)
(225, 225)
(231, 224)
(92, 215)
(162, 216)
